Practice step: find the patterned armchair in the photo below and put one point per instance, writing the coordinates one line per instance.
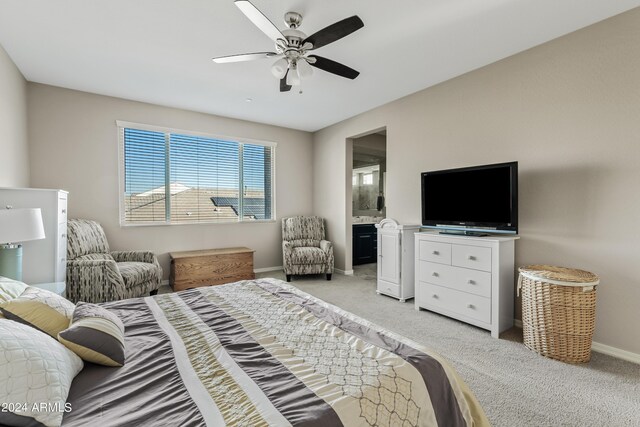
(304, 250)
(96, 275)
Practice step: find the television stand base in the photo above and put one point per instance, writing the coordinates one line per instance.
(464, 233)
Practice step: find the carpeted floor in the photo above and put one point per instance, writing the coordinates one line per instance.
(516, 387)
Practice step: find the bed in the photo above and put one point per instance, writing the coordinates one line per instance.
(262, 352)
(250, 353)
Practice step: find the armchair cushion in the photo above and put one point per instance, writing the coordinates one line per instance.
(302, 228)
(303, 243)
(94, 257)
(308, 255)
(136, 273)
(134, 256)
(85, 237)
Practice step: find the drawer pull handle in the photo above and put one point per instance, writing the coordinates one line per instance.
(434, 296)
(434, 274)
(471, 282)
(436, 253)
(63, 235)
(64, 211)
(471, 306)
(471, 258)
(62, 259)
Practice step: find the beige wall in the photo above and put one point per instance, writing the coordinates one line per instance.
(569, 112)
(74, 146)
(14, 157)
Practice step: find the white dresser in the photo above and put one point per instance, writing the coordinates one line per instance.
(468, 278)
(395, 259)
(43, 261)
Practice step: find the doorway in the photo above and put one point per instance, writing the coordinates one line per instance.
(368, 199)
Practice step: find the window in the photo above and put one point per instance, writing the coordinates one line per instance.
(177, 177)
(367, 179)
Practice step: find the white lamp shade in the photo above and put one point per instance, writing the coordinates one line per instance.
(304, 69)
(280, 67)
(293, 78)
(21, 225)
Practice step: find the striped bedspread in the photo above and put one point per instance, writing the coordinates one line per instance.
(261, 352)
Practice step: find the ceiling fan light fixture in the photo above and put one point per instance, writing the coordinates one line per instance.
(304, 69)
(293, 78)
(280, 67)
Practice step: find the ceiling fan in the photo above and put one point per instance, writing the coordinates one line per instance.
(292, 46)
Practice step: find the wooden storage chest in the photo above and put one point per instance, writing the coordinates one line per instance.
(191, 269)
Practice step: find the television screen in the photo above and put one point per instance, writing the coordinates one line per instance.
(480, 196)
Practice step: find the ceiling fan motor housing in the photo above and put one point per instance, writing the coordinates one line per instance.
(294, 37)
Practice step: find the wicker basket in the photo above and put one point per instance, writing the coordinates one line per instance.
(558, 311)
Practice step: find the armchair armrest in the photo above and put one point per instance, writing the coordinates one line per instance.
(326, 245)
(94, 281)
(134, 256)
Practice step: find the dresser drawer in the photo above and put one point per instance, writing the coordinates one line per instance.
(452, 301)
(387, 288)
(62, 240)
(462, 279)
(434, 252)
(475, 257)
(62, 210)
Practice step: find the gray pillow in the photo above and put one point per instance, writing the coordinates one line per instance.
(95, 334)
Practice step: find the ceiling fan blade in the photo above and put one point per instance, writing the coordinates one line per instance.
(335, 32)
(284, 87)
(243, 57)
(259, 20)
(333, 67)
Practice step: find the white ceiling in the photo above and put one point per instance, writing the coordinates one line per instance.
(159, 51)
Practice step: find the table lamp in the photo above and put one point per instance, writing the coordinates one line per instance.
(17, 225)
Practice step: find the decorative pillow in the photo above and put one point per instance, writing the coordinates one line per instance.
(10, 289)
(95, 334)
(35, 376)
(41, 309)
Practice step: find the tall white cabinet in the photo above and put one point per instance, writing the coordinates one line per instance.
(395, 259)
(468, 278)
(45, 260)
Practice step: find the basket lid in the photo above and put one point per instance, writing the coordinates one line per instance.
(560, 274)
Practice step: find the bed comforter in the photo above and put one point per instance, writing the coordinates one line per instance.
(262, 352)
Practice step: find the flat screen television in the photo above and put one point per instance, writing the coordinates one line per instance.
(472, 200)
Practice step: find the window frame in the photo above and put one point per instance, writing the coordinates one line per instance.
(121, 125)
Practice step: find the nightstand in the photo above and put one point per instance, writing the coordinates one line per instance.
(55, 287)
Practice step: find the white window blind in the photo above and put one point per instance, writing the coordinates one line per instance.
(145, 169)
(173, 177)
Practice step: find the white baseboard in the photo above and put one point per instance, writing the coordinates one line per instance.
(604, 349)
(266, 269)
(615, 352)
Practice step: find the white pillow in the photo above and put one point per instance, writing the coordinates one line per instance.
(35, 369)
(10, 289)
